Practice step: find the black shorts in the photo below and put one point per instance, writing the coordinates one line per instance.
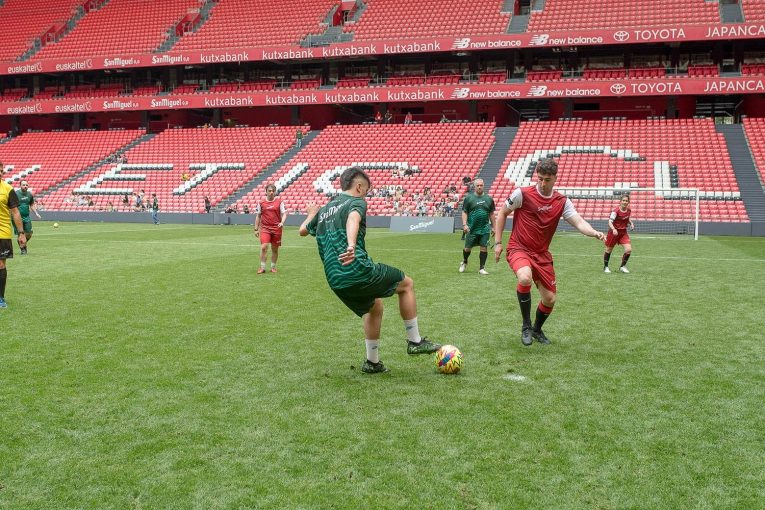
(360, 298)
(6, 249)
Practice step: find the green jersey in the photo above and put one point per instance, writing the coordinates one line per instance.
(26, 200)
(478, 209)
(328, 226)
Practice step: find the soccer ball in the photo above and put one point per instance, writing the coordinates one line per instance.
(448, 359)
(55, 225)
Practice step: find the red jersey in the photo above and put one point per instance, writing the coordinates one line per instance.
(620, 219)
(535, 218)
(270, 214)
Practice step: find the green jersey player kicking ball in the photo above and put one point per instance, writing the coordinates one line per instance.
(360, 283)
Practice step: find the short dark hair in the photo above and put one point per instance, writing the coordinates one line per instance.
(350, 174)
(271, 186)
(547, 166)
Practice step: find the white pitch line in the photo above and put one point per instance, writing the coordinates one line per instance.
(516, 378)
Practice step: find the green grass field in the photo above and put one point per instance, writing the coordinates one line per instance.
(151, 368)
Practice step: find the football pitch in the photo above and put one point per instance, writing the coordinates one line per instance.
(149, 367)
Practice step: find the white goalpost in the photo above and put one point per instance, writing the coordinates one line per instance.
(654, 210)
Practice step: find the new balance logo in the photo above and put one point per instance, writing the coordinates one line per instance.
(538, 90)
(461, 93)
(544, 208)
(539, 40)
(461, 44)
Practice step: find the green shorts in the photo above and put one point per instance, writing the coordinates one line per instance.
(476, 240)
(27, 222)
(381, 284)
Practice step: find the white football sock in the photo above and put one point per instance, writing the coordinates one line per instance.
(262, 265)
(373, 354)
(412, 330)
(273, 265)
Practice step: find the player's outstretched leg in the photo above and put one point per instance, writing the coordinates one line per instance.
(407, 305)
(372, 327)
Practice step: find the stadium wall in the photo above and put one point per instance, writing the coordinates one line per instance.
(705, 228)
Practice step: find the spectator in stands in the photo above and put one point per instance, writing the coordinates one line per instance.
(245, 209)
(137, 201)
(232, 209)
(408, 118)
(443, 119)
(154, 209)
(110, 206)
(388, 117)
(299, 138)
(185, 176)
(82, 200)
(378, 117)
(126, 200)
(207, 205)
(340, 228)
(9, 213)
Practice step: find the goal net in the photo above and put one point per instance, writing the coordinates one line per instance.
(654, 210)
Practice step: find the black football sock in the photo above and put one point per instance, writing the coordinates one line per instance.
(3, 278)
(524, 300)
(606, 258)
(465, 255)
(482, 257)
(543, 312)
(625, 258)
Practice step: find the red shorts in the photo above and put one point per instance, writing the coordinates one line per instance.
(272, 238)
(622, 237)
(541, 264)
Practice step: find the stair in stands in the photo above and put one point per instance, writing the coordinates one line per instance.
(71, 23)
(743, 167)
(97, 164)
(491, 168)
(518, 24)
(173, 38)
(267, 172)
(731, 12)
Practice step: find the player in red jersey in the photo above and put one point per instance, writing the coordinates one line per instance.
(617, 234)
(270, 215)
(536, 212)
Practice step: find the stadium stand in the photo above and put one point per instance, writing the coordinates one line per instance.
(353, 81)
(26, 20)
(704, 70)
(13, 94)
(243, 23)
(687, 153)
(437, 155)
(752, 69)
(492, 77)
(754, 127)
(166, 157)
(60, 155)
(587, 14)
(393, 19)
(754, 10)
(121, 27)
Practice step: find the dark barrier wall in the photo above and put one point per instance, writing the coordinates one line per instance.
(709, 229)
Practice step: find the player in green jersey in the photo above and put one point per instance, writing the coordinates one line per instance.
(26, 205)
(340, 227)
(478, 221)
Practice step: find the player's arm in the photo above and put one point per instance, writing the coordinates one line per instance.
(465, 227)
(583, 227)
(611, 227)
(313, 210)
(33, 207)
(499, 227)
(632, 225)
(256, 225)
(284, 214)
(352, 225)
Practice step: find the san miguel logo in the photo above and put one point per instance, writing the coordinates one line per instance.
(168, 103)
(121, 62)
(169, 59)
(119, 105)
